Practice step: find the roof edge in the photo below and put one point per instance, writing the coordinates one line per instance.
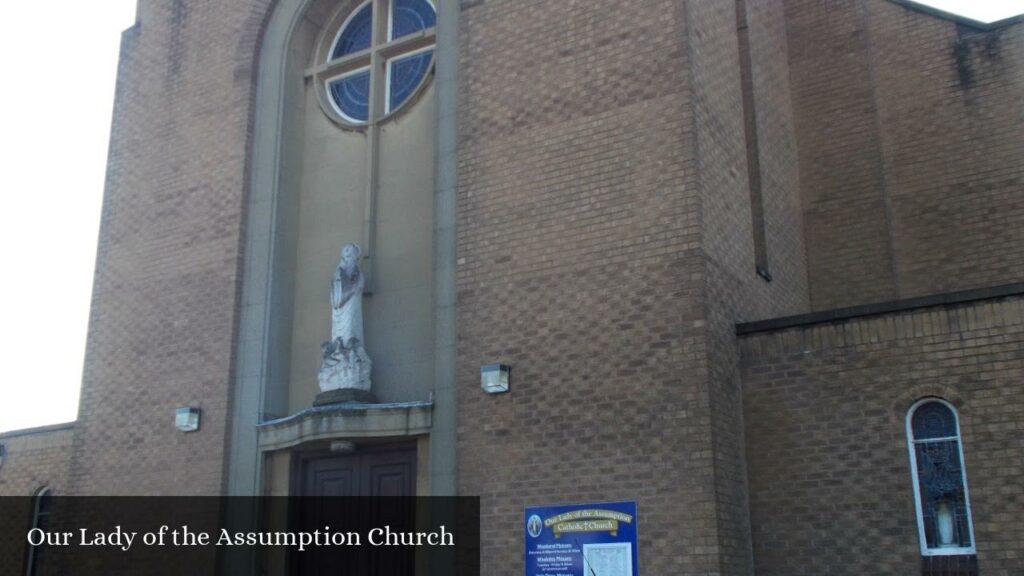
(959, 18)
(880, 308)
(38, 430)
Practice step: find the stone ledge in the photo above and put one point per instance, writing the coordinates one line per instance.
(343, 396)
(880, 308)
(348, 420)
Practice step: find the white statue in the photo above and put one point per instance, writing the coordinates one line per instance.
(347, 298)
(345, 362)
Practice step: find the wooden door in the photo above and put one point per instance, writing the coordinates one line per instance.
(379, 472)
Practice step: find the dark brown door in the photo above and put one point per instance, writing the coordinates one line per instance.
(334, 490)
(377, 472)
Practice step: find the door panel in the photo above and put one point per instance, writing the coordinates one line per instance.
(331, 477)
(390, 480)
(387, 472)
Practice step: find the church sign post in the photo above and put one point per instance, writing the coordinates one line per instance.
(581, 540)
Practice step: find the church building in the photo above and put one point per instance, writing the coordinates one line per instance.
(754, 265)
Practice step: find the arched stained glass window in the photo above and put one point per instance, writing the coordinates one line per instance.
(940, 481)
(42, 504)
(390, 37)
(933, 420)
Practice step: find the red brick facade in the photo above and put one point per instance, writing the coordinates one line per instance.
(30, 461)
(34, 459)
(825, 408)
(161, 332)
(578, 265)
(606, 240)
(909, 133)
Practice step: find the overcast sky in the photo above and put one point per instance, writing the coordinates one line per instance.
(981, 10)
(59, 60)
(55, 104)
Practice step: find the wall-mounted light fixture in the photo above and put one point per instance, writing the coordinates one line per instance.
(494, 378)
(187, 419)
(3, 454)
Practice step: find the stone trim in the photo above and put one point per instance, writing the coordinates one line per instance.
(350, 420)
(943, 325)
(901, 405)
(880, 308)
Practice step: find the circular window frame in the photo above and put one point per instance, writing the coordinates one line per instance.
(376, 59)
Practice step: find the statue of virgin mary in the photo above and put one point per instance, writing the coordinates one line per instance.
(347, 299)
(345, 365)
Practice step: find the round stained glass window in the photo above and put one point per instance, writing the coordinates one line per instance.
(379, 58)
(357, 33)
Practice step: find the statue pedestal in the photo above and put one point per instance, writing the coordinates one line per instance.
(345, 395)
(344, 374)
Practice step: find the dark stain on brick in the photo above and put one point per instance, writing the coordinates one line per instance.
(993, 47)
(972, 50)
(962, 58)
(179, 19)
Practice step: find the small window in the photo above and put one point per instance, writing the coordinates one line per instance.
(43, 502)
(940, 481)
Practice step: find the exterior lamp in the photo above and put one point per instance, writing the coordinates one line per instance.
(494, 378)
(187, 419)
(3, 452)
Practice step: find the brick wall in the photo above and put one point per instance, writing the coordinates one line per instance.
(605, 251)
(830, 485)
(35, 458)
(848, 250)
(722, 166)
(950, 114)
(733, 290)
(161, 330)
(787, 293)
(720, 177)
(908, 126)
(580, 265)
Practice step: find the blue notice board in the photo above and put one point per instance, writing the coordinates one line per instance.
(581, 540)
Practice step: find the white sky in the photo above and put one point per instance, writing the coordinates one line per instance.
(55, 107)
(980, 10)
(58, 61)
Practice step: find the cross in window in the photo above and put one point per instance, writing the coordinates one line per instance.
(372, 61)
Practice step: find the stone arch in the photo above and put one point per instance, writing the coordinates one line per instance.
(263, 351)
(260, 55)
(902, 403)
